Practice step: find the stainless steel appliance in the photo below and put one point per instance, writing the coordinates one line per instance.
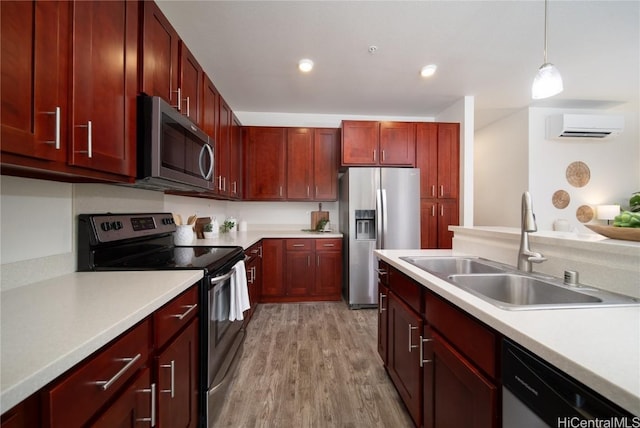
(173, 153)
(145, 242)
(379, 209)
(535, 394)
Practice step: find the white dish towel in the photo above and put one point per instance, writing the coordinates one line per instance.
(239, 292)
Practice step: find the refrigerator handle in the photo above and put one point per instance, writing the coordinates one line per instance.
(384, 218)
(379, 216)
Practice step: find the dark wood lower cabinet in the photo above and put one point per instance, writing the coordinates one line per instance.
(133, 408)
(177, 375)
(405, 327)
(443, 362)
(462, 397)
(301, 269)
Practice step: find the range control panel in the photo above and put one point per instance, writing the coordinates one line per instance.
(116, 227)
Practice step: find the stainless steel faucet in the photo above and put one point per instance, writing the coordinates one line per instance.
(528, 224)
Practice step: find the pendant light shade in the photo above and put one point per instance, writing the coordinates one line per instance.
(548, 81)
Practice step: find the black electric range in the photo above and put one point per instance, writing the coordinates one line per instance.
(144, 241)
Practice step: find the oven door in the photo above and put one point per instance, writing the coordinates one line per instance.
(224, 347)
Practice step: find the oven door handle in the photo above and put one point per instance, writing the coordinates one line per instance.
(218, 279)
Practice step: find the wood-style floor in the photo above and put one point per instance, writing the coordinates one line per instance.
(312, 365)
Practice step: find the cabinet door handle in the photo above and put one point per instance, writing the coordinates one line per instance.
(281, 191)
(187, 312)
(328, 245)
(381, 272)
(309, 261)
(422, 360)
(374, 155)
(441, 190)
(298, 245)
(235, 187)
(187, 106)
(308, 191)
(381, 308)
(383, 156)
(178, 105)
(411, 328)
(260, 251)
(89, 150)
(433, 190)
(106, 384)
(433, 210)
(316, 191)
(441, 210)
(56, 139)
(172, 367)
(152, 418)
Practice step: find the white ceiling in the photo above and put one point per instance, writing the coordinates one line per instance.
(488, 49)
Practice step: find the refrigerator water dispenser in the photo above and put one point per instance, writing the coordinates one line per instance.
(365, 224)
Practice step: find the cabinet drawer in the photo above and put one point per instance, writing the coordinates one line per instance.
(299, 244)
(383, 272)
(405, 288)
(329, 244)
(476, 341)
(174, 315)
(79, 395)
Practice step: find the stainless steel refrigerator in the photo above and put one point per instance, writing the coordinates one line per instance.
(379, 209)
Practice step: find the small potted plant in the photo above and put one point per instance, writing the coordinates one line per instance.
(209, 231)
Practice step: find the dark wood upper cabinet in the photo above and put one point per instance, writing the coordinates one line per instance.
(105, 66)
(264, 154)
(325, 163)
(397, 143)
(300, 164)
(223, 148)
(159, 42)
(190, 84)
(437, 150)
(235, 159)
(378, 143)
(360, 142)
(35, 41)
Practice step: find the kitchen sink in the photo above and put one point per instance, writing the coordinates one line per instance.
(453, 265)
(517, 292)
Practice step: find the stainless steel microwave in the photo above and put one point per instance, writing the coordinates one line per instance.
(173, 153)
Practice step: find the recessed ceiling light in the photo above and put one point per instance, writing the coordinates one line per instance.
(428, 70)
(305, 65)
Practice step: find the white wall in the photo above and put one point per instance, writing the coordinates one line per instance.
(250, 118)
(614, 165)
(501, 170)
(513, 155)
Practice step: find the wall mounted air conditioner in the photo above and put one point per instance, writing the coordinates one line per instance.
(579, 126)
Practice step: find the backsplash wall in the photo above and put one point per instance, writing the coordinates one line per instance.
(38, 220)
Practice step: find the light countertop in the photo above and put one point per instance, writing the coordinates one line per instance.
(600, 347)
(49, 326)
(248, 238)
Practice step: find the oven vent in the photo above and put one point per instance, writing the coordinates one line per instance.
(580, 126)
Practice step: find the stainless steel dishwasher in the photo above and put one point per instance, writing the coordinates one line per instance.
(537, 394)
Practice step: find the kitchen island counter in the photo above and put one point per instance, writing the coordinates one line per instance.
(48, 327)
(600, 347)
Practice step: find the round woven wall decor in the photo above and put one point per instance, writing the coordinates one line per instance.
(578, 174)
(560, 199)
(584, 213)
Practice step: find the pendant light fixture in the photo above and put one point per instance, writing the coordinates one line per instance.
(548, 81)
